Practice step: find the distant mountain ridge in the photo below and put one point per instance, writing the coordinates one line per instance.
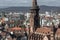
(54, 9)
(43, 8)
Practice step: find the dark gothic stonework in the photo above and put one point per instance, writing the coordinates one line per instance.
(34, 17)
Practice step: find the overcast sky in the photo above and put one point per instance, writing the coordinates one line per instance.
(28, 2)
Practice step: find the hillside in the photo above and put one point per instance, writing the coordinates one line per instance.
(43, 8)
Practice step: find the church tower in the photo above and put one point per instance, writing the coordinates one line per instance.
(34, 16)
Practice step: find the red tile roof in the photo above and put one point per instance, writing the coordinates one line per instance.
(16, 28)
(58, 31)
(43, 30)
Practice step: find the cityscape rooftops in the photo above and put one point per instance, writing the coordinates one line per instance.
(44, 30)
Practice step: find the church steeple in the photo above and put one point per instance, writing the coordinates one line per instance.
(34, 3)
(34, 17)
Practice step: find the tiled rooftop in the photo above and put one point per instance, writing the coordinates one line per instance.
(43, 30)
(58, 31)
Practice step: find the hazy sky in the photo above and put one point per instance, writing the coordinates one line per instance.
(28, 2)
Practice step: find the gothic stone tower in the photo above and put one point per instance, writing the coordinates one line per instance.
(34, 17)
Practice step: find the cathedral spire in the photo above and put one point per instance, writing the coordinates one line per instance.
(34, 3)
(34, 17)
